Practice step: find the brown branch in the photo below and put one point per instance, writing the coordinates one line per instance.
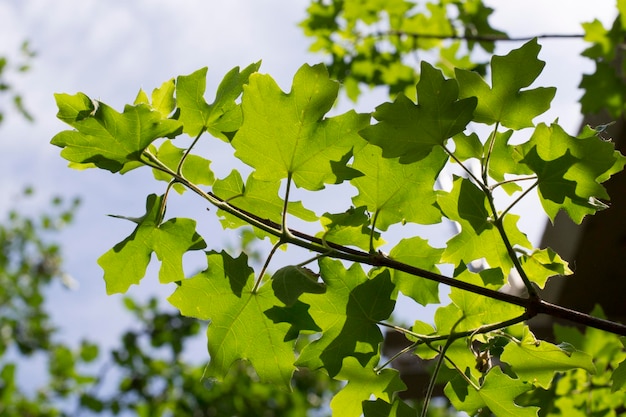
(478, 38)
(533, 306)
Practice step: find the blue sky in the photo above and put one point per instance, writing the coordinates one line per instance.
(109, 49)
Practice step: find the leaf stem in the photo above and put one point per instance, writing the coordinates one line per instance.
(498, 222)
(374, 219)
(259, 279)
(528, 178)
(179, 168)
(518, 199)
(492, 141)
(433, 377)
(284, 227)
(471, 175)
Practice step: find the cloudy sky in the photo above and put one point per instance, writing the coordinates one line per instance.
(109, 49)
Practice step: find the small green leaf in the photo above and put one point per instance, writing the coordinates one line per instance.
(479, 238)
(351, 228)
(410, 131)
(106, 138)
(570, 170)
(347, 313)
(240, 328)
(537, 361)
(417, 252)
(125, 264)
(479, 311)
(395, 192)
(195, 168)
(162, 98)
(290, 282)
(543, 264)
(619, 377)
(505, 102)
(223, 116)
(286, 135)
(258, 197)
(363, 382)
(381, 408)
(498, 392)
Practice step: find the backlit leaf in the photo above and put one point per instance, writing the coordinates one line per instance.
(410, 131)
(395, 192)
(240, 328)
(347, 313)
(125, 264)
(286, 135)
(506, 102)
(498, 392)
(105, 138)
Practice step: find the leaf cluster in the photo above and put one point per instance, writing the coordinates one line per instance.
(326, 311)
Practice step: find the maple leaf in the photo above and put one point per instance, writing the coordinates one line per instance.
(537, 361)
(410, 131)
(476, 311)
(239, 328)
(125, 264)
(417, 252)
(347, 313)
(505, 102)
(497, 392)
(221, 118)
(381, 408)
(286, 135)
(479, 238)
(258, 197)
(363, 382)
(543, 264)
(569, 169)
(195, 168)
(163, 99)
(397, 192)
(350, 228)
(105, 138)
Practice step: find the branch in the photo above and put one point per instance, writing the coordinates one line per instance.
(478, 38)
(533, 305)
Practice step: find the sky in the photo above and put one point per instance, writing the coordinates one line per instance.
(109, 49)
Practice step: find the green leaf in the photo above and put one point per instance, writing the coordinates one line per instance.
(195, 168)
(505, 102)
(478, 311)
(570, 170)
(351, 228)
(258, 197)
(300, 143)
(397, 192)
(417, 252)
(619, 377)
(290, 282)
(381, 408)
(497, 392)
(479, 238)
(125, 264)
(363, 382)
(240, 328)
(537, 361)
(223, 116)
(347, 313)
(543, 264)
(106, 138)
(162, 98)
(410, 131)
